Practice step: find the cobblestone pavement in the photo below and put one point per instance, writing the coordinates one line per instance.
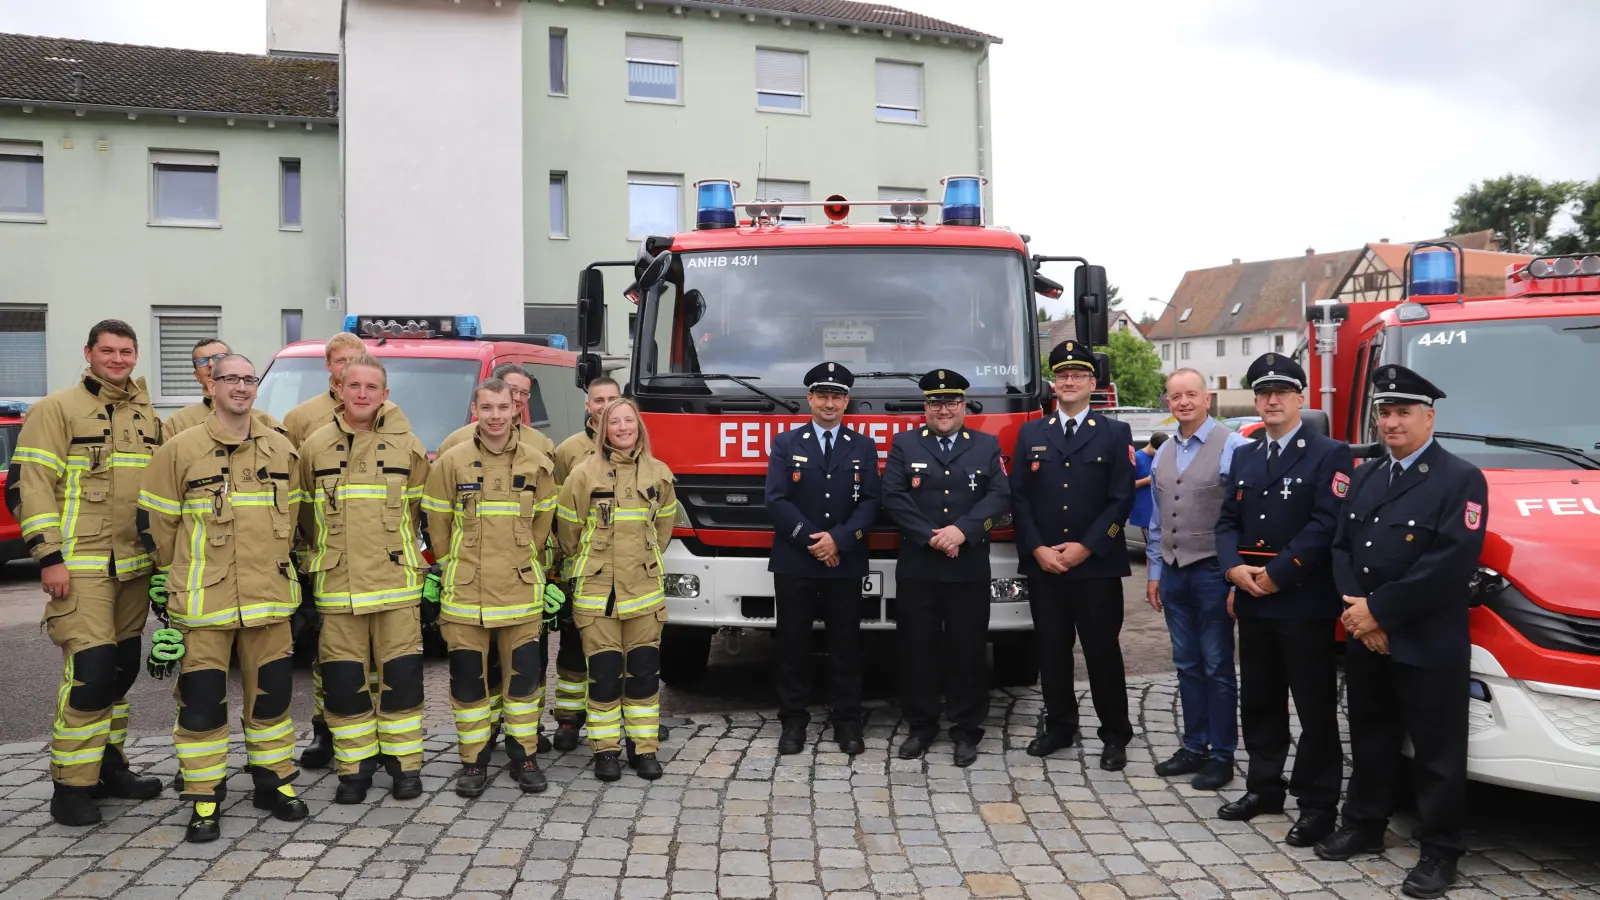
(732, 819)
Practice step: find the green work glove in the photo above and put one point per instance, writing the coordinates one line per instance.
(158, 597)
(432, 589)
(554, 599)
(166, 649)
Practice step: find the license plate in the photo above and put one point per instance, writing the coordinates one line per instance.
(872, 585)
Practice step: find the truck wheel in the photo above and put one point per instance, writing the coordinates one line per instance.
(685, 652)
(1016, 660)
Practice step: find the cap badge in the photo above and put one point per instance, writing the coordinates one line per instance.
(941, 376)
(1271, 360)
(1069, 346)
(1390, 375)
(830, 367)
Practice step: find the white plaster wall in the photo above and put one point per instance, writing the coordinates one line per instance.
(303, 26)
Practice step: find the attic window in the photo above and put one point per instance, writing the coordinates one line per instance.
(1185, 316)
(1236, 308)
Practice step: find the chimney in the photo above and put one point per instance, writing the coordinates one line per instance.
(1383, 240)
(1311, 251)
(1236, 260)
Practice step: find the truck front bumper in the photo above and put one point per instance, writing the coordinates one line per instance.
(1531, 735)
(737, 592)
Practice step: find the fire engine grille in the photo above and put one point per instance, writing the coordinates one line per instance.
(767, 608)
(1546, 628)
(735, 502)
(1577, 718)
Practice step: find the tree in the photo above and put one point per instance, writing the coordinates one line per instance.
(1518, 208)
(1584, 235)
(1113, 298)
(1044, 314)
(1135, 368)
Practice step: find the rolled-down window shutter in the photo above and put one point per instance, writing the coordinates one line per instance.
(178, 336)
(780, 72)
(23, 373)
(654, 49)
(899, 85)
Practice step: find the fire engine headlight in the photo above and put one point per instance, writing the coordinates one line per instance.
(1008, 590)
(682, 520)
(685, 586)
(1485, 583)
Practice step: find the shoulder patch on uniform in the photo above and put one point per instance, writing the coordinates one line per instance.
(1341, 484)
(1130, 453)
(1474, 515)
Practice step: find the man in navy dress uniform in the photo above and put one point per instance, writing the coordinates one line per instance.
(822, 493)
(1071, 492)
(1406, 550)
(944, 488)
(1274, 543)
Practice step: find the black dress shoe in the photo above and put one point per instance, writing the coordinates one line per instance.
(319, 753)
(1114, 758)
(406, 786)
(1049, 741)
(646, 766)
(966, 753)
(792, 741)
(73, 806)
(473, 780)
(284, 807)
(204, 824)
(608, 766)
(1213, 775)
(1347, 841)
(1249, 806)
(528, 777)
(1430, 877)
(352, 789)
(1313, 826)
(914, 746)
(566, 739)
(1184, 762)
(848, 735)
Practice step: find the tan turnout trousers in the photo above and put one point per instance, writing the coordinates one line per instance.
(106, 616)
(393, 639)
(201, 734)
(509, 691)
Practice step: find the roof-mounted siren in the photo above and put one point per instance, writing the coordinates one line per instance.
(714, 207)
(963, 200)
(836, 208)
(1587, 265)
(1433, 270)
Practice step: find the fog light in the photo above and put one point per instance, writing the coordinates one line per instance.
(1008, 590)
(1485, 583)
(685, 586)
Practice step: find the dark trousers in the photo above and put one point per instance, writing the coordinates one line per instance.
(1388, 701)
(800, 601)
(943, 630)
(1089, 610)
(1277, 658)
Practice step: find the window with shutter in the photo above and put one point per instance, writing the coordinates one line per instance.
(653, 64)
(558, 62)
(177, 332)
(780, 81)
(652, 204)
(889, 194)
(183, 189)
(899, 91)
(788, 192)
(23, 373)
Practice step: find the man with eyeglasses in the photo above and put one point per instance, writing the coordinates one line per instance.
(944, 489)
(1071, 492)
(206, 353)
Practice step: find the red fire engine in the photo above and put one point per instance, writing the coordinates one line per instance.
(730, 317)
(1517, 371)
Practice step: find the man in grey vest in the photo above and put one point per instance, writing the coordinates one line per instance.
(1190, 475)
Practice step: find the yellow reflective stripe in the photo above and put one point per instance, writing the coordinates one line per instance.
(478, 714)
(136, 460)
(297, 495)
(142, 561)
(77, 758)
(605, 715)
(413, 553)
(270, 732)
(546, 505)
(41, 522)
(375, 598)
(117, 737)
(566, 703)
(255, 498)
(633, 711)
(189, 749)
(399, 726)
(518, 707)
(564, 685)
(472, 736)
(195, 606)
(671, 509)
(571, 515)
(355, 754)
(638, 514)
(400, 748)
(448, 596)
(413, 491)
(63, 733)
(201, 775)
(268, 757)
(87, 563)
(69, 514)
(495, 613)
(638, 603)
(434, 504)
(221, 618)
(359, 729)
(39, 456)
(158, 503)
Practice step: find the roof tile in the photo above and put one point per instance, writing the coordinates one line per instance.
(874, 14)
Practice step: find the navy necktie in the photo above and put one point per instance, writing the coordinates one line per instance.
(827, 448)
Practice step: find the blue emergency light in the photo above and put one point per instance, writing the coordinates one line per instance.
(424, 326)
(963, 200)
(1433, 273)
(557, 342)
(714, 207)
(13, 407)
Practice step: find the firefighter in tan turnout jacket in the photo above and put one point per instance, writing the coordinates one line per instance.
(489, 505)
(217, 510)
(363, 475)
(72, 486)
(204, 356)
(613, 519)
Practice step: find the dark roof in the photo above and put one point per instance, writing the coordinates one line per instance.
(877, 15)
(1267, 293)
(41, 69)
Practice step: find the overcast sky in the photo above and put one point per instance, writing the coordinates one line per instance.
(1159, 136)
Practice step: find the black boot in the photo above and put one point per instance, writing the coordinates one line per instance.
(646, 766)
(527, 776)
(319, 753)
(406, 784)
(205, 824)
(473, 780)
(116, 780)
(74, 806)
(608, 766)
(353, 788)
(285, 807)
(544, 743)
(566, 739)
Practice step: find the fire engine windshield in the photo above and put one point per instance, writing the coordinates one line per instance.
(434, 393)
(1525, 379)
(772, 315)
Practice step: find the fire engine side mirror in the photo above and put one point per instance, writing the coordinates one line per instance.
(591, 309)
(1091, 312)
(588, 369)
(1102, 370)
